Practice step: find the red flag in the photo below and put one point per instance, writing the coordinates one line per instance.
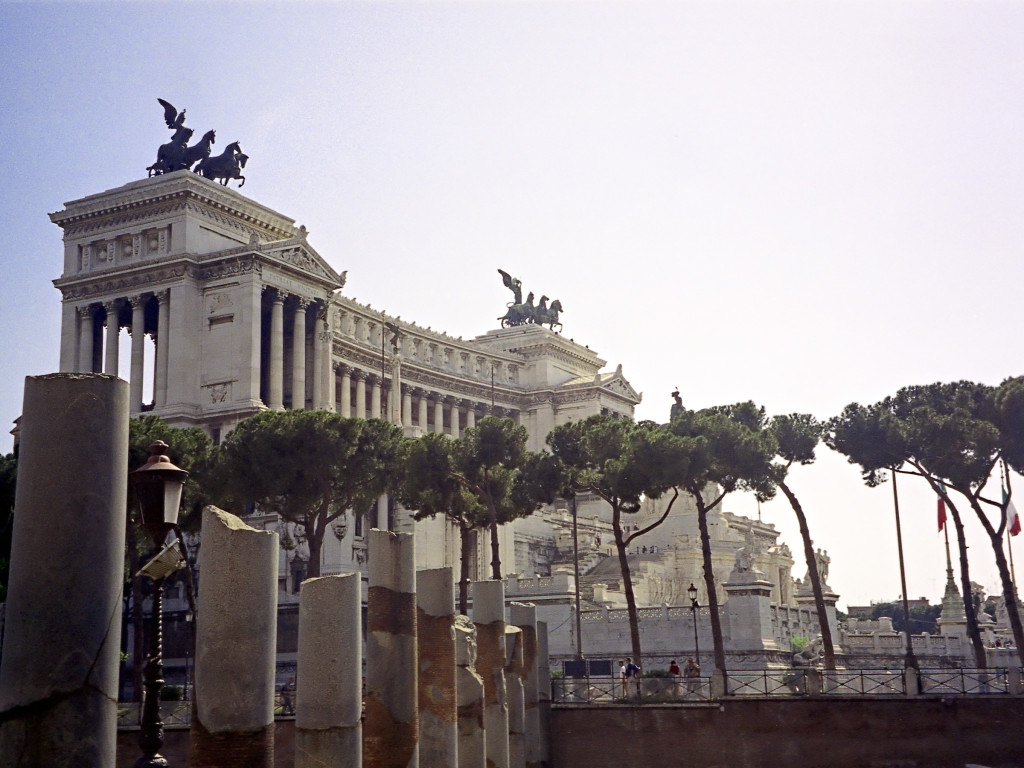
(1012, 519)
(942, 514)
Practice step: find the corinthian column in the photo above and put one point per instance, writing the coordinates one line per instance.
(276, 384)
(360, 377)
(319, 377)
(421, 417)
(138, 353)
(346, 390)
(406, 405)
(438, 413)
(470, 414)
(299, 356)
(162, 351)
(86, 339)
(454, 414)
(375, 399)
(113, 334)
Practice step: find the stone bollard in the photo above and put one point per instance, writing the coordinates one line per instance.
(435, 637)
(58, 679)
(329, 688)
(544, 692)
(470, 690)
(391, 734)
(489, 618)
(524, 616)
(516, 698)
(236, 645)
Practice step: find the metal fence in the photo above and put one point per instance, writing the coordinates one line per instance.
(595, 689)
(772, 683)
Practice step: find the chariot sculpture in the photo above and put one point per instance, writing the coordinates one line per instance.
(178, 155)
(524, 312)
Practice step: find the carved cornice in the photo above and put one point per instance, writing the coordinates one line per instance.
(137, 280)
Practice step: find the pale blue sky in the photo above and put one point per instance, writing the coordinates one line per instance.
(802, 203)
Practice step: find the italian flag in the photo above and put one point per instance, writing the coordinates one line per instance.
(1012, 518)
(942, 509)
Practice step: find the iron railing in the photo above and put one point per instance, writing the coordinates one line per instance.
(594, 689)
(964, 681)
(862, 682)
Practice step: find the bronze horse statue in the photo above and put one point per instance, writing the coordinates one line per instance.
(225, 166)
(545, 315)
(176, 156)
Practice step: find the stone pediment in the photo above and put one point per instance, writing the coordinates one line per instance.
(618, 385)
(297, 253)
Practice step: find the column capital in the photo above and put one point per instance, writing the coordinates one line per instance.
(87, 311)
(163, 296)
(452, 400)
(408, 390)
(137, 300)
(111, 306)
(301, 303)
(358, 374)
(341, 368)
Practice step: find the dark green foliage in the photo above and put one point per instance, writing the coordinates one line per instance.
(923, 618)
(309, 467)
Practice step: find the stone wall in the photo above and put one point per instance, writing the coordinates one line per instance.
(848, 733)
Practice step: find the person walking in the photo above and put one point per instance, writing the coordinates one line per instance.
(632, 676)
(691, 672)
(673, 669)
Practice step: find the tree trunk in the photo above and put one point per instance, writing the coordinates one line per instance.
(466, 549)
(709, 580)
(973, 632)
(1009, 596)
(315, 542)
(495, 556)
(814, 576)
(627, 588)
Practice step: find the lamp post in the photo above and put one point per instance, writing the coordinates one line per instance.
(694, 605)
(158, 484)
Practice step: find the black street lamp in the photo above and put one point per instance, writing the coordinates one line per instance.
(694, 605)
(158, 484)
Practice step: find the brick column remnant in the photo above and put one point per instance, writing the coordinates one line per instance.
(58, 678)
(524, 616)
(391, 735)
(236, 643)
(489, 618)
(470, 688)
(544, 692)
(516, 699)
(329, 688)
(435, 636)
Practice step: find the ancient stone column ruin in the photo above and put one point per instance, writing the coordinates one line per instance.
(391, 735)
(58, 678)
(514, 692)
(435, 636)
(489, 618)
(236, 639)
(470, 689)
(524, 616)
(544, 692)
(329, 685)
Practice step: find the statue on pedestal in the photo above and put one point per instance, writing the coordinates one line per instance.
(177, 155)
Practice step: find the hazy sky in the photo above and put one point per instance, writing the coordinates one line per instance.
(801, 203)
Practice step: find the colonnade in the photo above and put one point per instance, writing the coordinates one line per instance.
(99, 329)
(308, 353)
(363, 394)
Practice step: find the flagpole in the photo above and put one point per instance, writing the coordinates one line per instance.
(911, 660)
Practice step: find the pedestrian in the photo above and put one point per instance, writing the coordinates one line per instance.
(673, 669)
(692, 674)
(622, 675)
(632, 675)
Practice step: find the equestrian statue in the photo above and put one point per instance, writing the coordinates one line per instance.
(178, 155)
(525, 312)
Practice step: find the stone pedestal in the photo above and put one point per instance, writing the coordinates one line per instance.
(329, 686)
(236, 643)
(58, 676)
(435, 637)
(391, 733)
(748, 608)
(472, 750)
(489, 618)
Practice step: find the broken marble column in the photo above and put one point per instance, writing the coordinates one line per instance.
(489, 618)
(391, 735)
(236, 639)
(58, 677)
(470, 690)
(516, 699)
(524, 616)
(544, 692)
(329, 685)
(435, 638)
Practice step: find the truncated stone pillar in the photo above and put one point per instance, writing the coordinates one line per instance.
(392, 729)
(236, 644)
(470, 686)
(524, 616)
(516, 700)
(435, 636)
(58, 677)
(544, 692)
(329, 686)
(489, 618)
